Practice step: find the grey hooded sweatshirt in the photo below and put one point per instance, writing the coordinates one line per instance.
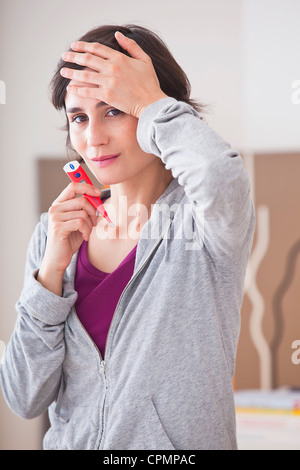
(166, 380)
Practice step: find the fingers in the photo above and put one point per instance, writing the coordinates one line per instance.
(85, 59)
(65, 223)
(69, 213)
(77, 204)
(129, 45)
(69, 204)
(128, 83)
(93, 54)
(95, 48)
(60, 213)
(80, 75)
(74, 189)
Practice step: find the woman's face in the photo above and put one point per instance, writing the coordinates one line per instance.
(106, 139)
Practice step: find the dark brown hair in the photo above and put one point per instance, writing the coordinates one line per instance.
(173, 80)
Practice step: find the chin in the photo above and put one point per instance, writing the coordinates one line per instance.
(109, 181)
(105, 178)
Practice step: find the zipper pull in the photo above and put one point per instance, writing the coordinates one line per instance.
(102, 367)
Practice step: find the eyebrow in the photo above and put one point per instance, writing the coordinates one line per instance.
(78, 110)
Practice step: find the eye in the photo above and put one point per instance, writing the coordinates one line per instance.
(79, 118)
(114, 112)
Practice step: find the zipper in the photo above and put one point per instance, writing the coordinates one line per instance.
(102, 361)
(113, 318)
(86, 332)
(102, 371)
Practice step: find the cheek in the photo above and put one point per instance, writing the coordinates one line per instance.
(129, 138)
(77, 140)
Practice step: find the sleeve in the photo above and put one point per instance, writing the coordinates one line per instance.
(30, 370)
(212, 174)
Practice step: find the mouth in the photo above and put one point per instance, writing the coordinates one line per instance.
(104, 160)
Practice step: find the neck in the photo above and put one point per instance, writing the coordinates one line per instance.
(132, 199)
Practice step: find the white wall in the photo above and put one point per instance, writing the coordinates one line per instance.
(232, 52)
(271, 63)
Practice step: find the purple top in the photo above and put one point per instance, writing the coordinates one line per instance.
(99, 293)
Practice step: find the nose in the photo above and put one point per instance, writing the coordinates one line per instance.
(97, 134)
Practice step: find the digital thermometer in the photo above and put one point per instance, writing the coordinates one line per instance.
(77, 174)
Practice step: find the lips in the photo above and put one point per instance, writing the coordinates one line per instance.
(105, 160)
(104, 157)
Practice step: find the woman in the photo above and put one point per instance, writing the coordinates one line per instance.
(129, 334)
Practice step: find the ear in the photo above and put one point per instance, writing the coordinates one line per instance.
(129, 45)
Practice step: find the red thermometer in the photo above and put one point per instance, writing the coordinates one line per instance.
(77, 174)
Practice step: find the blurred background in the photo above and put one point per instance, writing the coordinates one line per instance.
(243, 61)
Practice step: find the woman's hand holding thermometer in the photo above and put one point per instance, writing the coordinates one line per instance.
(77, 174)
(71, 220)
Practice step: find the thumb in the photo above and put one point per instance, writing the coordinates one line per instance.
(129, 45)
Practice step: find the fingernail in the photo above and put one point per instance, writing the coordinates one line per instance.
(119, 34)
(75, 45)
(66, 56)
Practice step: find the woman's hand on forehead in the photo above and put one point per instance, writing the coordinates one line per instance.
(129, 84)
